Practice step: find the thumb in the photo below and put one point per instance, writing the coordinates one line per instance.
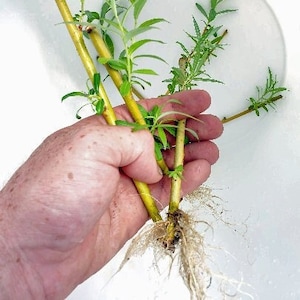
(134, 152)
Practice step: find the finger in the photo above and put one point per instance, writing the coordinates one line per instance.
(188, 102)
(200, 150)
(208, 127)
(195, 173)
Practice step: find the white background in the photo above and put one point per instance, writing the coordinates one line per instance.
(257, 175)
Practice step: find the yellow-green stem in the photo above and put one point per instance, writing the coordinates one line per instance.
(149, 202)
(109, 114)
(246, 111)
(175, 195)
(236, 116)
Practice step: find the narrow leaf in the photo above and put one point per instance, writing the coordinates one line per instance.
(73, 94)
(137, 79)
(157, 150)
(152, 22)
(145, 71)
(96, 83)
(150, 56)
(214, 3)
(110, 22)
(138, 7)
(117, 64)
(225, 11)
(136, 31)
(202, 10)
(143, 111)
(140, 43)
(99, 107)
(109, 43)
(104, 10)
(162, 136)
(212, 15)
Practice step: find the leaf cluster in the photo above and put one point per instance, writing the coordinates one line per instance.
(157, 124)
(267, 95)
(115, 19)
(211, 14)
(205, 41)
(161, 124)
(92, 95)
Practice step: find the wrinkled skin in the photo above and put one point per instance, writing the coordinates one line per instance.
(70, 207)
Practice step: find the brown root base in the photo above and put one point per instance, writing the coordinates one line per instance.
(173, 231)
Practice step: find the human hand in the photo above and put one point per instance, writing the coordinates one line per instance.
(70, 208)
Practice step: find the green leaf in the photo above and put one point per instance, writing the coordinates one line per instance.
(214, 3)
(157, 150)
(91, 16)
(138, 7)
(212, 15)
(172, 130)
(225, 11)
(117, 64)
(112, 23)
(134, 125)
(124, 123)
(99, 107)
(104, 10)
(185, 50)
(140, 84)
(202, 10)
(171, 87)
(163, 138)
(139, 80)
(140, 43)
(280, 89)
(145, 71)
(125, 88)
(86, 35)
(103, 60)
(73, 94)
(134, 32)
(143, 111)
(152, 22)
(91, 91)
(150, 56)
(177, 173)
(96, 82)
(109, 43)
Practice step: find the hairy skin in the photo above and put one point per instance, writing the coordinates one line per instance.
(72, 205)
